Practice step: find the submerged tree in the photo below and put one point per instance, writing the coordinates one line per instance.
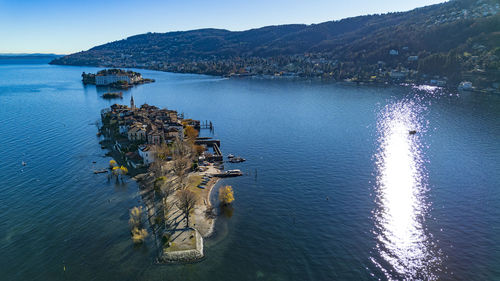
(139, 233)
(226, 195)
(186, 202)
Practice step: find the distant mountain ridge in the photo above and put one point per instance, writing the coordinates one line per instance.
(28, 55)
(465, 34)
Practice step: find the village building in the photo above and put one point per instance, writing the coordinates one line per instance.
(148, 153)
(147, 126)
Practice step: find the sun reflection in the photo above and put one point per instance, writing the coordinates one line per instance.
(403, 246)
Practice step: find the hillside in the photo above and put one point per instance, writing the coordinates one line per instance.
(454, 41)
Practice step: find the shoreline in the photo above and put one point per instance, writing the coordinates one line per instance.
(305, 78)
(201, 225)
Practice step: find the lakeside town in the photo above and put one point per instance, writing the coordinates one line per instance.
(177, 171)
(417, 54)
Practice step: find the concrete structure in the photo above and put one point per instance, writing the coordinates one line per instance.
(182, 249)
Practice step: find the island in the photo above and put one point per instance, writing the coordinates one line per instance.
(112, 95)
(176, 170)
(115, 78)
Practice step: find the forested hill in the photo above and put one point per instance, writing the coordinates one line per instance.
(456, 40)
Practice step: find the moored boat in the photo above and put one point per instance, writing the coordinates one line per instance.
(230, 173)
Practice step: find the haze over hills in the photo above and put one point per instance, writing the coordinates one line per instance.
(31, 55)
(450, 42)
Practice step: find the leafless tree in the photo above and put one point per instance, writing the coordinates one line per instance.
(167, 190)
(186, 203)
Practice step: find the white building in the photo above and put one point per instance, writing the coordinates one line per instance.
(108, 79)
(393, 52)
(148, 153)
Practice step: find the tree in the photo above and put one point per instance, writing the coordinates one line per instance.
(123, 171)
(191, 133)
(186, 203)
(139, 234)
(135, 221)
(179, 167)
(167, 189)
(226, 195)
(135, 217)
(199, 149)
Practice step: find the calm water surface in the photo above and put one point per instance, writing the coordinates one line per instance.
(337, 188)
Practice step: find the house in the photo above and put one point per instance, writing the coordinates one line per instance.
(393, 52)
(148, 153)
(175, 131)
(155, 137)
(123, 129)
(137, 133)
(398, 74)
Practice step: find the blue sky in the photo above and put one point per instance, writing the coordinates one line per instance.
(56, 26)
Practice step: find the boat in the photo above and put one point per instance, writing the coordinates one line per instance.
(23, 163)
(101, 171)
(230, 156)
(465, 86)
(201, 186)
(412, 132)
(229, 173)
(237, 160)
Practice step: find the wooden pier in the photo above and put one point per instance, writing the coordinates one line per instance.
(215, 145)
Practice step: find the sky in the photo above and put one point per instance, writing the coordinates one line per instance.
(68, 26)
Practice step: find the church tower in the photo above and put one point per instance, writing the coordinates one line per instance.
(132, 103)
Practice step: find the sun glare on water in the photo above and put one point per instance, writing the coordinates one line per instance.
(404, 248)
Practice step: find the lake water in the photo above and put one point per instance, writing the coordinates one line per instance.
(337, 188)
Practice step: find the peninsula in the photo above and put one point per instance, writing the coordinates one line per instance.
(115, 78)
(176, 169)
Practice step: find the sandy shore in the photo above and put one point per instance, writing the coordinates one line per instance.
(204, 224)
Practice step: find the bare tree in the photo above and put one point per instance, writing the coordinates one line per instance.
(186, 203)
(167, 190)
(181, 149)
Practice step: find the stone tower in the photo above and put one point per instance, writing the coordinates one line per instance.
(132, 103)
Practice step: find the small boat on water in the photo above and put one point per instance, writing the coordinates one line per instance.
(101, 171)
(412, 132)
(237, 159)
(201, 186)
(230, 156)
(23, 163)
(229, 173)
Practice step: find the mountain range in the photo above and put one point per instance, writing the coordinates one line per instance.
(453, 41)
